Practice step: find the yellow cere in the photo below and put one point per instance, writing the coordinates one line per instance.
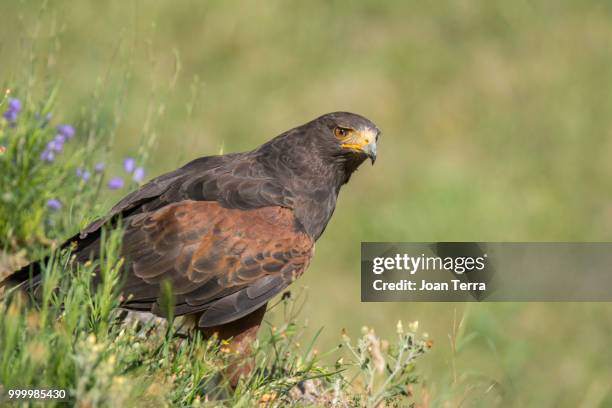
(360, 139)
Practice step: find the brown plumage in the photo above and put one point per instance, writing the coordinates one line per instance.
(230, 232)
(224, 262)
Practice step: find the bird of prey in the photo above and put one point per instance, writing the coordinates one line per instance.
(230, 232)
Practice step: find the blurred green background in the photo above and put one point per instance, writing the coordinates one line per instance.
(496, 120)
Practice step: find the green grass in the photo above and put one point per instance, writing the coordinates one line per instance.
(76, 339)
(496, 126)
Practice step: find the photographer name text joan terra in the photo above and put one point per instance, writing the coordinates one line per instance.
(424, 285)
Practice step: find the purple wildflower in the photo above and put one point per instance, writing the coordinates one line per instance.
(83, 174)
(139, 174)
(129, 164)
(54, 204)
(47, 155)
(115, 183)
(14, 105)
(54, 146)
(10, 115)
(66, 130)
(99, 168)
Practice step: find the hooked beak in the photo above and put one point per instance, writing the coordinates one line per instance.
(370, 150)
(365, 142)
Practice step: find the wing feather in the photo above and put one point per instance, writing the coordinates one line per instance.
(222, 262)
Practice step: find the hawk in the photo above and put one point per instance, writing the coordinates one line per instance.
(230, 232)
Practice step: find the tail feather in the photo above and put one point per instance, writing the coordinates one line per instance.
(27, 278)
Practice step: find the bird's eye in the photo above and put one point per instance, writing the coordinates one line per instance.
(341, 132)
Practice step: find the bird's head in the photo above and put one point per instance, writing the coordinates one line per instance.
(352, 136)
(331, 146)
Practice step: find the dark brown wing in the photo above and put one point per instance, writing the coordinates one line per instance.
(225, 262)
(149, 196)
(235, 180)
